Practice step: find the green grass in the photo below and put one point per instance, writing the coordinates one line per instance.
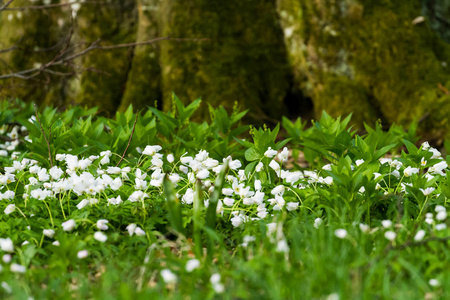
(259, 228)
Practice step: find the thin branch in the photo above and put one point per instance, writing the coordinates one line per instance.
(56, 5)
(129, 141)
(5, 7)
(94, 46)
(414, 244)
(45, 137)
(9, 49)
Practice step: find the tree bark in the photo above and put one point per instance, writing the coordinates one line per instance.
(244, 59)
(143, 87)
(369, 57)
(105, 73)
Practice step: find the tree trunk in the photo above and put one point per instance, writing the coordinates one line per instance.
(37, 35)
(143, 87)
(369, 57)
(105, 72)
(243, 60)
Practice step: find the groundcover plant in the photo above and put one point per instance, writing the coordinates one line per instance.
(156, 205)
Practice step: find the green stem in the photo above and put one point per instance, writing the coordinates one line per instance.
(49, 212)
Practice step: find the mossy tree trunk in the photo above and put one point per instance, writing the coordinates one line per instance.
(38, 36)
(143, 87)
(243, 60)
(369, 57)
(105, 72)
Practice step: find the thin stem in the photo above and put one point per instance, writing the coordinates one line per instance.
(129, 141)
(49, 212)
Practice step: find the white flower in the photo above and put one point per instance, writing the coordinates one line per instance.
(410, 171)
(151, 150)
(10, 208)
(16, 268)
(49, 233)
(340, 233)
(438, 168)
(228, 201)
(174, 178)
(131, 228)
(283, 155)
(82, 254)
(188, 197)
(192, 264)
(113, 170)
(364, 227)
(218, 288)
(425, 146)
(115, 201)
(82, 203)
(116, 184)
(359, 162)
(236, 221)
(282, 246)
(441, 226)
(419, 235)
(168, 276)
(4, 285)
(101, 224)
(7, 258)
(227, 191)
(390, 235)
(6, 245)
(427, 191)
(258, 185)
(442, 215)
(215, 278)
(56, 243)
(278, 190)
(423, 162)
(292, 206)
(139, 232)
(433, 282)
(317, 222)
(235, 164)
(270, 153)
(275, 165)
(327, 167)
(68, 225)
(436, 153)
(100, 236)
(203, 174)
(56, 173)
(259, 167)
(170, 158)
(396, 174)
(386, 223)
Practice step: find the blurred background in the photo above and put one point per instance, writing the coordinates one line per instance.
(386, 60)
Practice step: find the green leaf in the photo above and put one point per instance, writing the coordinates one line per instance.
(252, 154)
(173, 206)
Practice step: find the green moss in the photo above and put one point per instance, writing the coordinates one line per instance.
(368, 58)
(104, 79)
(143, 87)
(244, 58)
(35, 33)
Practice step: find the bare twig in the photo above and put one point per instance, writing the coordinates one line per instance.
(9, 49)
(38, 7)
(45, 137)
(93, 46)
(5, 7)
(129, 141)
(414, 244)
